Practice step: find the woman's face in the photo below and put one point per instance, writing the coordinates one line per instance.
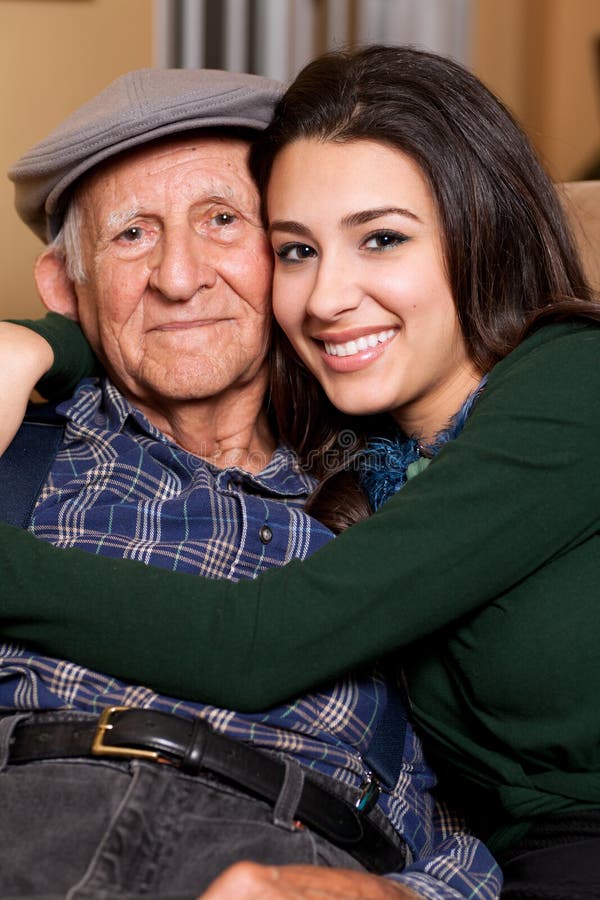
(360, 286)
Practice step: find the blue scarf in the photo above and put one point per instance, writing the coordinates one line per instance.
(386, 464)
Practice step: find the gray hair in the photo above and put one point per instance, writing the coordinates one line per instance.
(67, 242)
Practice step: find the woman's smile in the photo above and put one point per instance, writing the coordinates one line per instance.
(360, 284)
(354, 353)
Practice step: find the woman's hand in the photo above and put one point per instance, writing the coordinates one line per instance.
(24, 358)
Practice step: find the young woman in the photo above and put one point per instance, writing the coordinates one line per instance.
(428, 286)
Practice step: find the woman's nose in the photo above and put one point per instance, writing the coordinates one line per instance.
(335, 290)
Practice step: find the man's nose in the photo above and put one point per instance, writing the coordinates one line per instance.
(181, 265)
(336, 289)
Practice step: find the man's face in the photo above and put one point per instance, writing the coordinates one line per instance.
(177, 297)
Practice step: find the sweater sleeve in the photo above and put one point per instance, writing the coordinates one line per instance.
(73, 356)
(516, 489)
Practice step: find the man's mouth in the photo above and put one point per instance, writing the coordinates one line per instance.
(185, 325)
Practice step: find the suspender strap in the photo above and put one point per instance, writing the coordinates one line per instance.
(25, 465)
(386, 751)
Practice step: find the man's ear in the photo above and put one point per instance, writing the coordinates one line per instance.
(55, 288)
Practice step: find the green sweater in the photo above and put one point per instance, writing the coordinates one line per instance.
(482, 575)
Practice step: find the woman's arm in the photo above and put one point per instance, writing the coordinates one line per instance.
(518, 488)
(71, 357)
(24, 358)
(50, 354)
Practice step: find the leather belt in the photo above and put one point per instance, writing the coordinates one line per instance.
(192, 746)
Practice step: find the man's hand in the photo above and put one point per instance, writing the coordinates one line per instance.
(24, 358)
(250, 881)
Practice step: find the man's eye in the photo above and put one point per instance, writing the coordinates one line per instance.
(295, 252)
(383, 240)
(224, 218)
(130, 235)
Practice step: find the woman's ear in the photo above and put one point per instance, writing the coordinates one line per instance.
(55, 288)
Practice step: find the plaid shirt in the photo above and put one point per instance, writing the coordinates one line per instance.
(119, 487)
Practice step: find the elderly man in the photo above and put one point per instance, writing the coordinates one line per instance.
(171, 458)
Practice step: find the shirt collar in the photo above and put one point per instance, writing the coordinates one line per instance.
(98, 404)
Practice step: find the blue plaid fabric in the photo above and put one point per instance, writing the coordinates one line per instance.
(120, 488)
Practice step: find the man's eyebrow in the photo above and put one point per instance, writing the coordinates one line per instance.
(118, 219)
(217, 190)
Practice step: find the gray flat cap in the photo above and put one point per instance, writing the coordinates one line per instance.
(137, 108)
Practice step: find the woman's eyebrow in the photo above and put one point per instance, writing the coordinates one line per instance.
(289, 225)
(368, 215)
(362, 217)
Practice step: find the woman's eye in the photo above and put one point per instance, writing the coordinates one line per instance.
(382, 240)
(295, 252)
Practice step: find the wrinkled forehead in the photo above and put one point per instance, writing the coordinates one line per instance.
(205, 164)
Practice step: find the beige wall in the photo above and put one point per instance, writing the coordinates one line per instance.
(538, 55)
(54, 54)
(543, 58)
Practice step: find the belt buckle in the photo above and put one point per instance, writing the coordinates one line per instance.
(370, 790)
(101, 748)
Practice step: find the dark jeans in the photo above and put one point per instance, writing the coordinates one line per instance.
(104, 830)
(558, 859)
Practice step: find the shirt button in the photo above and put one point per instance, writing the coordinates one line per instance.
(265, 534)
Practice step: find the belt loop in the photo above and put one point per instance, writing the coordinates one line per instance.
(284, 813)
(194, 755)
(7, 726)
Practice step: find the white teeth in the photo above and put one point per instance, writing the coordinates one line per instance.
(361, 343)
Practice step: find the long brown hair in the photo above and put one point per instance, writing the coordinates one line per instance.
(511, 259)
